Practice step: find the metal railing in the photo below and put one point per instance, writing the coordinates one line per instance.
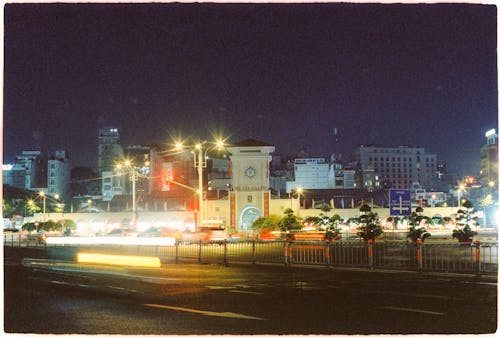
(477, 257)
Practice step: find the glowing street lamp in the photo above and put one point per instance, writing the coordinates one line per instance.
(134, 175)
(299, 191)
(44, 197)
(199, 159)
(461, 187)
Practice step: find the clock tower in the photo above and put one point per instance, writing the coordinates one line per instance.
(250, 196)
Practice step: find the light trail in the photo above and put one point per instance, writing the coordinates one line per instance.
(121, 260)
(152, 241)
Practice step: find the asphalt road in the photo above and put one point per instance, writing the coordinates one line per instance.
(61, 297)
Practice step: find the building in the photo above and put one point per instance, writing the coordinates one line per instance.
(489, 160)
(14, 175)
(250, 197)
(109, 150)
(310, 173)
(59, 174)
(396, 167)
(36, 169)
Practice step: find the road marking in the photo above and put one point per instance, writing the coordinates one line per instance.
(206, 313)
(59, 282)
(411, 310)
(120, 288)
(421, 295)
(249, 292)
(482, 283)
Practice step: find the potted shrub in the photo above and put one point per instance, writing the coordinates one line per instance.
(418, 232)
(370, 227)
(464, 234)
(465, 218)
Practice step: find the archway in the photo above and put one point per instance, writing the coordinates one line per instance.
(247, 217)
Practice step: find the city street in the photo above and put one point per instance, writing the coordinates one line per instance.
(63, 297)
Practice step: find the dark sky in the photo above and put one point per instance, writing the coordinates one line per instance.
(287, 74)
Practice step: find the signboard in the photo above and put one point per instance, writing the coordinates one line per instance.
(400, 202)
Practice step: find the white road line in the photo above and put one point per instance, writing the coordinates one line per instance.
(120, 288)
(59, 282)
(420, 295)
(249, 292)
(411, 310)
(206, 313)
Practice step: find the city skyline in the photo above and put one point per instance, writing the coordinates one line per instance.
(319, 77)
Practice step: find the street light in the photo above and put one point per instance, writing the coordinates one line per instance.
(460, 188)
(42, 195)
(200, 151)
(299, 191)
(133, 175)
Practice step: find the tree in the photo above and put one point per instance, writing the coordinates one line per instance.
(266, 223)
(32, 208)
(7, 209)
(326, 208)
(370, 226)
(465, 218)
(365, 208)
(289, 221)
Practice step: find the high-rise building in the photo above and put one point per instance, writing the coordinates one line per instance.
(310, 173)
(109, 150)
(14, 175)
(489, 160)
(397, 167)
(59, 174)
(35, 165)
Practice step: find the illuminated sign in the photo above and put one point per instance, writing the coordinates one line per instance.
(490, 132)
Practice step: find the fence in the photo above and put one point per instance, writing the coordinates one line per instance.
(479, 258)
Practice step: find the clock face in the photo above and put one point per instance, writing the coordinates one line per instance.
(250, 172)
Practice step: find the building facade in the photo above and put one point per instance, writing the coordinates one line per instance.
(397, 167)
(109, 150)
(36, 169)
(59, 175)
(489, 160)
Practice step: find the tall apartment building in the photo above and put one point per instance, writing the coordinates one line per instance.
(109, 150)
(310, 173)
(35, 166)
(58, 174)
(397, 167)
(489, 160)
(14, 175)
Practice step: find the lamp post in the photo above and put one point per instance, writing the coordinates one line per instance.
(44, 197)
(460, 188)
(199, 160)
(299, 191)
(133, 177)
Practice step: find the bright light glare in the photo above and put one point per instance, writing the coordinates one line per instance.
(141, 261)
(155, 241)
(490, 132)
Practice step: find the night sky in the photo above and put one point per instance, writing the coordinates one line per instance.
(287, 74)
